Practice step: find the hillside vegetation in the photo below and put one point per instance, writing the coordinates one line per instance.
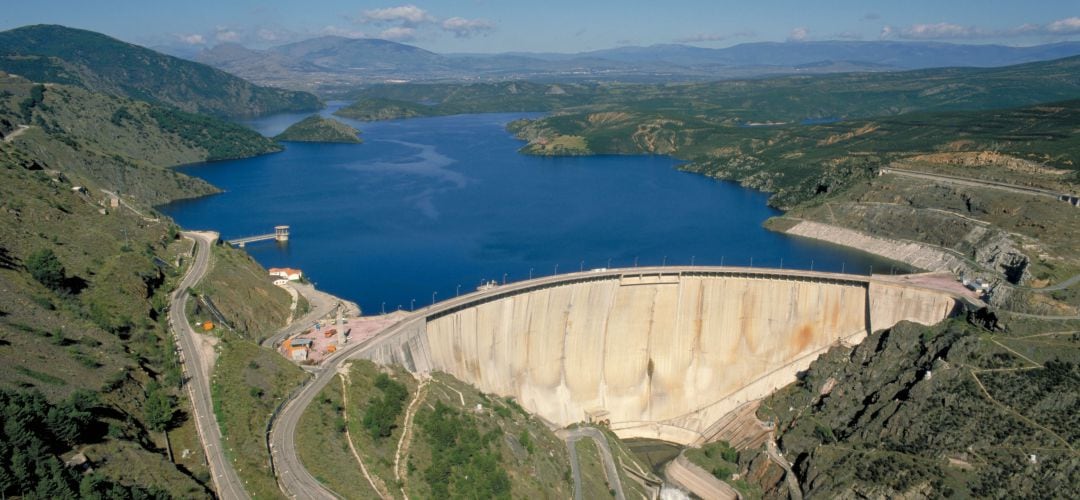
(58, 54)
(117, 144)
(463, 444)
(946, 411)
(779, 101)
(87, 361)
(316, 128)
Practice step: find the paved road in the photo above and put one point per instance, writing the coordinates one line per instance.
(226, 483)
(965, 181)
(572, 436)
(297, 482)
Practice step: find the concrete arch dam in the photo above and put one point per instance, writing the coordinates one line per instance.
(660, 353)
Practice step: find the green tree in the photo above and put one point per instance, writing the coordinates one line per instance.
(159, 409)
(46, 268)
(380, 417)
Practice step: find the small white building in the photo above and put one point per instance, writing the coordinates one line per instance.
(286, 273)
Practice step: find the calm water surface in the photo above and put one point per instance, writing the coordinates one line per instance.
(426, 205)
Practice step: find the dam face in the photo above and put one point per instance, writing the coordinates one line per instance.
(657, 355)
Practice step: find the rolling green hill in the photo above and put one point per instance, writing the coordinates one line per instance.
(318, 129)
(58, 54)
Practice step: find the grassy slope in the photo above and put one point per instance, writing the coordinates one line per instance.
(119, 144)
(241, 290)
(249, 382)
(542, 472)
(109, 335)
(320, 443)
(315, 128)
(109, 338)
(593, 482)
(50, 53)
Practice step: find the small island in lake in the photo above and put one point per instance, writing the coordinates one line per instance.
(316, 128)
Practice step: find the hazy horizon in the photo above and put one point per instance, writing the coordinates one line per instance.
(560, 26)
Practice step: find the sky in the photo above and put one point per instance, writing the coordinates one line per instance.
(450, 26)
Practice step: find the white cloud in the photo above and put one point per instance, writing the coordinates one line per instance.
(947, 31)
(410, 15)
(799, 34)
(193, 39)
(465, 28)
(1067, 26)
(398, 33)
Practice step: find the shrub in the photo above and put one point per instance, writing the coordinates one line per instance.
(46, 268)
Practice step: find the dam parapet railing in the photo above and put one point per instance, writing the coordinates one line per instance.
(500, 292)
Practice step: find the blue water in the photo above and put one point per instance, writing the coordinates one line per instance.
(427, 205)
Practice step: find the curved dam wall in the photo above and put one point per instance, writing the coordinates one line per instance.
(658, 355)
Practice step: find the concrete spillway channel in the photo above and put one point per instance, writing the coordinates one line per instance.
(660, 353)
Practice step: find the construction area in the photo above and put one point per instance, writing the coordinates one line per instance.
(326, 336)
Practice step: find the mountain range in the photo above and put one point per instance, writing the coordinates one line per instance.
(58, 54)
(327, 63)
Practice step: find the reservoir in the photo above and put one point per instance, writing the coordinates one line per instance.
(427, 208)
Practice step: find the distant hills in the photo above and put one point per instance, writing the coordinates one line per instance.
(330, 63)
(57, 54)
(883, 54)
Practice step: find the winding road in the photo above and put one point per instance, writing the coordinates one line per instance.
(225, 481)
(572, 436)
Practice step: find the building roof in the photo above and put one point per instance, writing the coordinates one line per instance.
(301, 343)
(286, 270)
